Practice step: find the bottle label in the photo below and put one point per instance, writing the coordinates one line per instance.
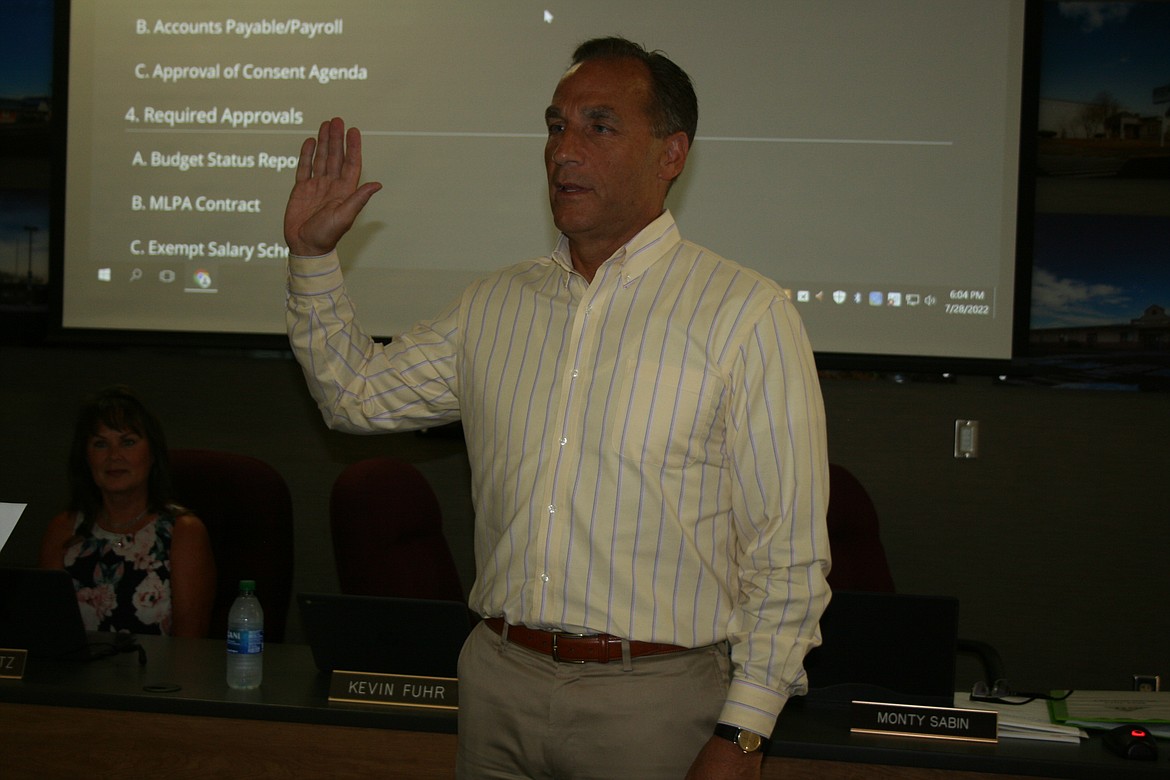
(245, 642)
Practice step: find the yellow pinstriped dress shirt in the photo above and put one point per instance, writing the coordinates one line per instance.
(647, 451)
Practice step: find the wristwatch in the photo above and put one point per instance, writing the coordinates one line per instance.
(747, 741)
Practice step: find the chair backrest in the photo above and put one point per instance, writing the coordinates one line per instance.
(859, 559)
(387, 531)
(246, 506)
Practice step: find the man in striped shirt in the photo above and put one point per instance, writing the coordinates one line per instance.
(646, 437)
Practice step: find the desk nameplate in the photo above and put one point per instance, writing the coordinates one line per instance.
(868, 717)
(12, 663)
(398, 690)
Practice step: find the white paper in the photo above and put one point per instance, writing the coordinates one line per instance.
(9, 514)
(1024, 721)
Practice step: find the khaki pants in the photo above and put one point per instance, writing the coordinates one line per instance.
(522, 715)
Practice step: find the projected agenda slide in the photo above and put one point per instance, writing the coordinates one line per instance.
(863, 155)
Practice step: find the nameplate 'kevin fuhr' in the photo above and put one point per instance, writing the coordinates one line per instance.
(394, 689)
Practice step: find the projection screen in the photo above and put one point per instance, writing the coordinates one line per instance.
(863, 153)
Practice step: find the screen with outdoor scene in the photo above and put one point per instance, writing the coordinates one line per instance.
(865, 155)
(1100, 281)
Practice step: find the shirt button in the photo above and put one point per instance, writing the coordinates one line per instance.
(564, 440)
(576, 373)
(544, 578)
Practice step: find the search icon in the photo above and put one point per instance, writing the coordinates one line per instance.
(136, 274)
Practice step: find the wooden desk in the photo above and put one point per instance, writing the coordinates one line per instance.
(39, 741)
(113, 718)
(817, 742)
(176, 717)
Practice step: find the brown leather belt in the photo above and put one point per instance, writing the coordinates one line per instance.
(577, 648)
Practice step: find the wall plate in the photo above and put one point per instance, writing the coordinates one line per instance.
(966, 439)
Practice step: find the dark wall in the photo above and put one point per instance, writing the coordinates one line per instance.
(1055, 539)
(256, 405)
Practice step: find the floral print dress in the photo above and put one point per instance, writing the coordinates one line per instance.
(123, 581)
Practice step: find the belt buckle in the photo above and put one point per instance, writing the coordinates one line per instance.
(555, 651)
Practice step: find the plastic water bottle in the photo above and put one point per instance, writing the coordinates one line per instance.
(245, 639)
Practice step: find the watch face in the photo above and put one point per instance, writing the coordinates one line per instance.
(748, 741)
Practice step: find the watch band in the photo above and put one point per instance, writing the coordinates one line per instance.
(747, 741)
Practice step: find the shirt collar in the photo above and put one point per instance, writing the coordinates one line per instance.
(636, 255)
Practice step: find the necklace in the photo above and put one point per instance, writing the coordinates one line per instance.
(123, 529)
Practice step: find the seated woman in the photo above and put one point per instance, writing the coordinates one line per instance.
(140, 563)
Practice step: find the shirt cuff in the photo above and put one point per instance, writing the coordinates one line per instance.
(751, 707)
(314, 275)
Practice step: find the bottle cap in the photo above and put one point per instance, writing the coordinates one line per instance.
(247, 586)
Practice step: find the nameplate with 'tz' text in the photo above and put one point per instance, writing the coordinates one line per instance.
(12, 663)
(398, 690)
(869, 717)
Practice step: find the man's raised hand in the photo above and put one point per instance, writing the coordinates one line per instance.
(327, 196)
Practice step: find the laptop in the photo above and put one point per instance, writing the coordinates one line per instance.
(887, 647)
(39, 613)
(383, 634)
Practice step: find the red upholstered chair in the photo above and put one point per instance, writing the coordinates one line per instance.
(859, 559)
(246, 506)
(387, 531)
